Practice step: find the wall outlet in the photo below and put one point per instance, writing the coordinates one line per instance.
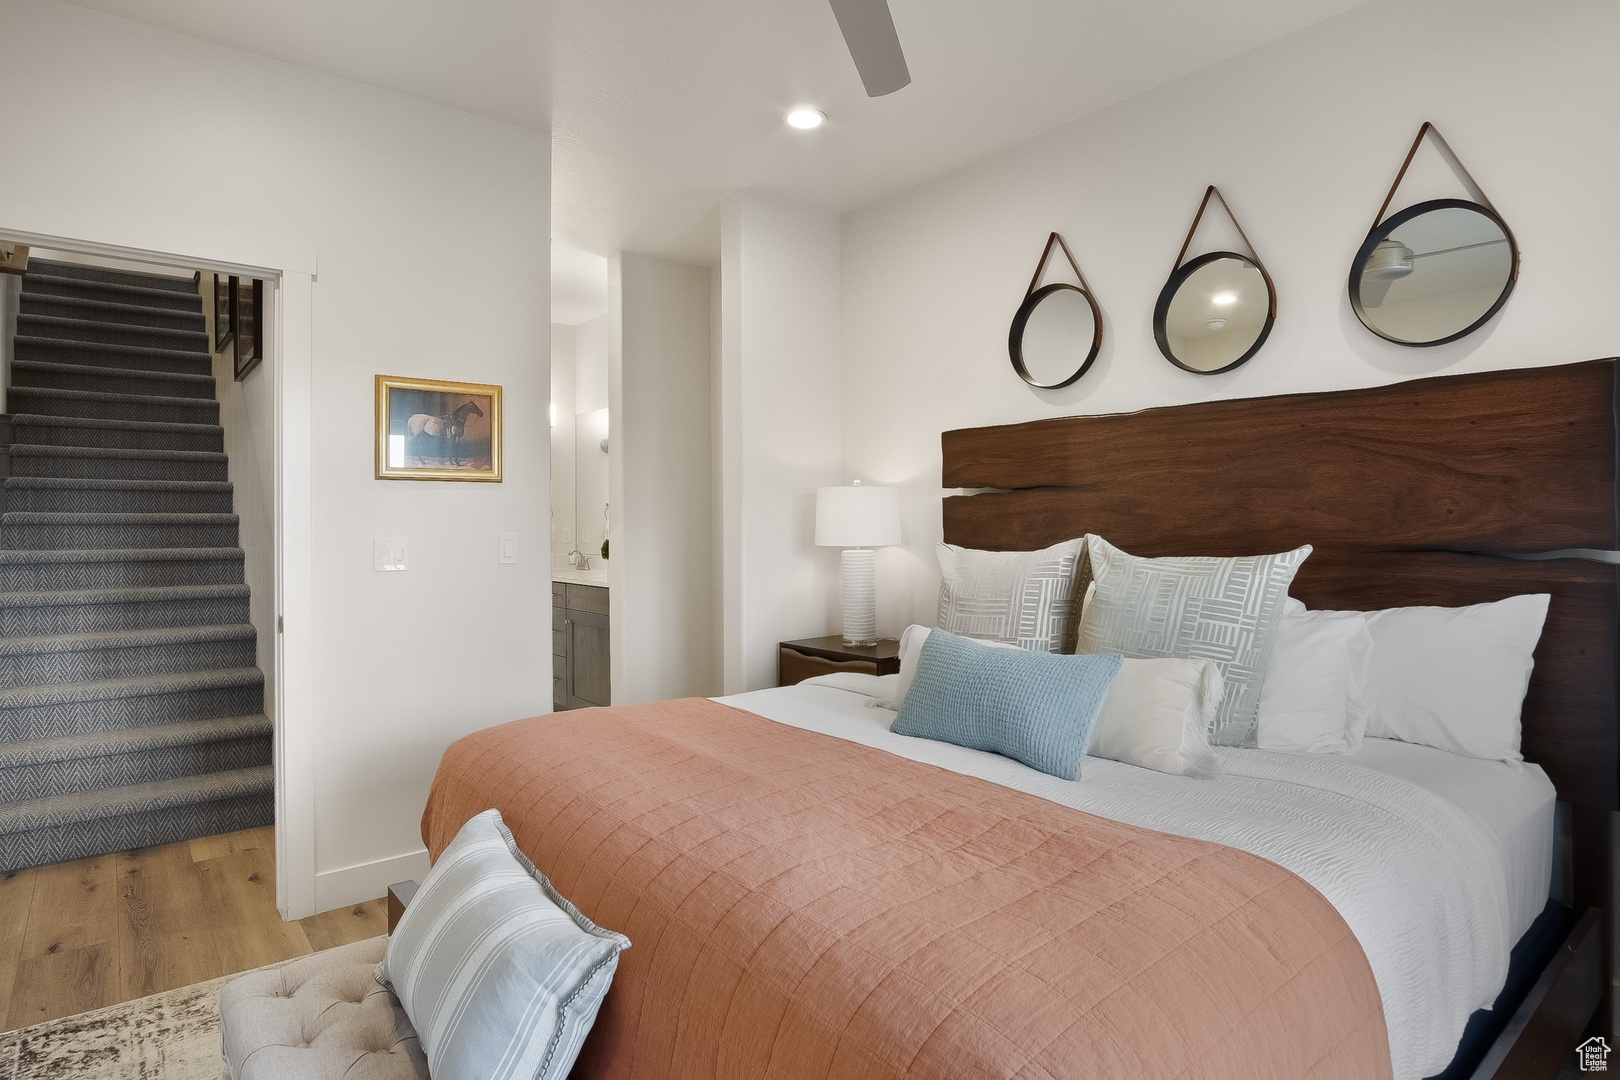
(568, 535)
(390, 555)
(507, 551)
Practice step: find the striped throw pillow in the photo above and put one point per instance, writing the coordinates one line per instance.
(500, 975)
(1222, 610)
(1021, 598)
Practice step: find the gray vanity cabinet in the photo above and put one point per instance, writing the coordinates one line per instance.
(581, 676)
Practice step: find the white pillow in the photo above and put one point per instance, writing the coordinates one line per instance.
(1452, 678)
(1156, 715)
(1313, 696)
(1015, 597)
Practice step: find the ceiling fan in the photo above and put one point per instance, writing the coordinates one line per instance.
(873, 45)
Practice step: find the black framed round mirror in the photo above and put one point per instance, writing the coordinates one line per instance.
(1052, 327)
(1215, 312)
(1434, 272)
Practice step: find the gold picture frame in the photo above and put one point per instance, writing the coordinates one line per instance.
(428, 429)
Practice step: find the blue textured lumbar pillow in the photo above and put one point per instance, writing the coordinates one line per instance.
(1037, 708)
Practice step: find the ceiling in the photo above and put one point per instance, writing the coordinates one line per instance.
(658, 108)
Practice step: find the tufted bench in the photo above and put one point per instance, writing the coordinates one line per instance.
(319, 1017)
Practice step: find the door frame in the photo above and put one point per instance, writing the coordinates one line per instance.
(292, 272)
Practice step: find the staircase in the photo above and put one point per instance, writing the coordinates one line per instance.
(131, 709)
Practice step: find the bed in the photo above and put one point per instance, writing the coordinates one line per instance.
(732, 839)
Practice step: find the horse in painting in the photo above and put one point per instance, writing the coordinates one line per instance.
(449, 427)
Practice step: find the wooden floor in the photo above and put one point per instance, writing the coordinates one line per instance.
(95, 932)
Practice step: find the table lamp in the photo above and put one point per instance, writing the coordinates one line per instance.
(858, 518)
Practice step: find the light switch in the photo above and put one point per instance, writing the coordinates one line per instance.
(508, 548)
(390, 555)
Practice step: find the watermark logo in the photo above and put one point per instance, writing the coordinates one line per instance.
(1593, 1055)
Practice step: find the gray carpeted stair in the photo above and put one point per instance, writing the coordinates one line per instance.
(131, 709)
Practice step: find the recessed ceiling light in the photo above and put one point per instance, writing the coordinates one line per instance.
(1223, 299)
(805, 118)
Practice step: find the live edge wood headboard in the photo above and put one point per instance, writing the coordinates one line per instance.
(1403, 490)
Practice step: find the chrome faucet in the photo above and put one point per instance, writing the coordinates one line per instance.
(579, 560)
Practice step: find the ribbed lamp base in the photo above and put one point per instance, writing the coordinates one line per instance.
(860, 596)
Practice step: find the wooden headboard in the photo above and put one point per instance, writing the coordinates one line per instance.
(1402, 489)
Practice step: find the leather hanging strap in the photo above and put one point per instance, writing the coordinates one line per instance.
(1427, 129)
(1185, 244)
(1040, 267)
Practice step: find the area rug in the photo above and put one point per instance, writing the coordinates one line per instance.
(169, 1036)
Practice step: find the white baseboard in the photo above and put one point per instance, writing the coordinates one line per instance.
(367, 881)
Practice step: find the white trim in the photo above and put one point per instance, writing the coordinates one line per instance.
(367, 881)
(290, 354)
(295, 656)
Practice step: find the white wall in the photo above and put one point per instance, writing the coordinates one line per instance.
(247, 412)
(591, 364)
(779, 427)
(562, 444)
(425, 221)
(1303, 136)
(660, 590)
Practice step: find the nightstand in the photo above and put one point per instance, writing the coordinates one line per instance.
(797, 661)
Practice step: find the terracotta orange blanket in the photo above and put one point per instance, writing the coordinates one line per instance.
(801, 906)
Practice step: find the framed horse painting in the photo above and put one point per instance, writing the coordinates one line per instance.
(432, 430)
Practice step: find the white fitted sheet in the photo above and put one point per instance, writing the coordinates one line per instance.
(1437, 863)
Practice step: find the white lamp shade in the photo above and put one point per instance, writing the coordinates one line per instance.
(857, 516)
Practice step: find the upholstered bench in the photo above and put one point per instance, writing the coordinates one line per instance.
(319, 1017)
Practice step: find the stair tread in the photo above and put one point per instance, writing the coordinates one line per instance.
(74, 483)
(60, 517)
(144, 400)
(111, 373)
(95, 744)
(44, 278)
(129, 686)
(136, 799)
(47, 420)
(114, 307)
(143, 595)
(67, 322)
(31, 556)
(47, 450)
(77, 345)
(124, 639)
(84, 272)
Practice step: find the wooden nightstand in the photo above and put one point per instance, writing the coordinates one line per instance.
(797, 661)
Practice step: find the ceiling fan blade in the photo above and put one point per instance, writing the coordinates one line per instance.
(1373, 291)
(875, 47)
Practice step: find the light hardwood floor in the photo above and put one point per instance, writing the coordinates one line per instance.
(94, 932)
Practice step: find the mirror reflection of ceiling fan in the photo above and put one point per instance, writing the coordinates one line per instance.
(1392, 260)
(868, 29)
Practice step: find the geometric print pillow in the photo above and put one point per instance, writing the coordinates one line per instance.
(500, 975)
(1021, 598)
(1224, 610)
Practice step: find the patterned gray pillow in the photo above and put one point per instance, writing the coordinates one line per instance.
(1225, 610)
(1022, 598)
(500, 975)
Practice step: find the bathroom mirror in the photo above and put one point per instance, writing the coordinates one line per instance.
(1055, 336)
(1434, 272)
(1217, 309)
(1057, 331)
(591, 481)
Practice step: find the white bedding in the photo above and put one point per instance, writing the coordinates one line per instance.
(1436, 863)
